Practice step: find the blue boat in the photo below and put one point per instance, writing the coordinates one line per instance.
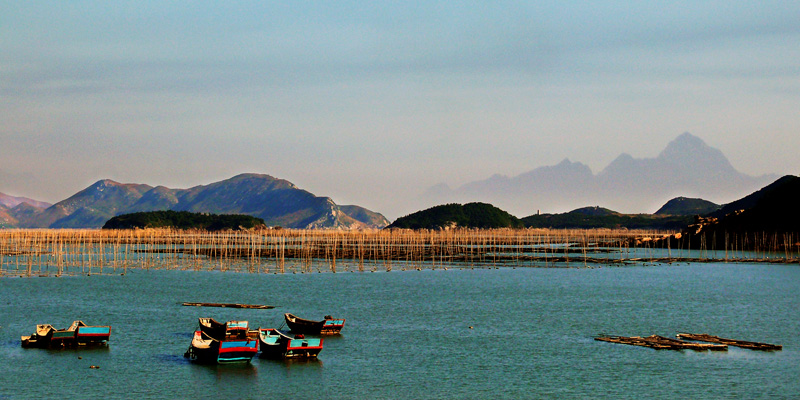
(276, 344)
(208, 350)
(77, 334)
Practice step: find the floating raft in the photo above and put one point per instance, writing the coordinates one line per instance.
(661, 343)
(230, 305)
(704, 337)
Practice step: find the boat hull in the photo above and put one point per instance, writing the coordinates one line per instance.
(276, 345)
(213, 351)
(78, 334)
(328, 326)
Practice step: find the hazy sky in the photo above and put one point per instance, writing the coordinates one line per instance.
(370, 104)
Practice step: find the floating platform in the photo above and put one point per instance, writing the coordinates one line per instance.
(230, 305)
(662, 343)
(704, 337)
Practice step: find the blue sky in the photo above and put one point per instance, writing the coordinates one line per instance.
(370, 104)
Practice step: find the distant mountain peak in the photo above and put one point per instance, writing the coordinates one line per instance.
(12, 201)
(684, 143)
(689, 148)
(623, 162)
(686, 166)
(104, 183)
(251, 176)
(688, 138)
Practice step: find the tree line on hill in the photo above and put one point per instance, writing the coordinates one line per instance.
(487, 216)
(470, 215)
(183, 220)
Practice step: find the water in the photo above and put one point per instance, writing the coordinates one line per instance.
(457, 333)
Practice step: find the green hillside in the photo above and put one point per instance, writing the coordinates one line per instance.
(596, 217)
(470, 215)
(182, 220)
(687, 206)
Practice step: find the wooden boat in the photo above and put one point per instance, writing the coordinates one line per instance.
(207, 350)
(77, 334)
(328, 326)
(213, 329)
(276, 344)
(704, 337)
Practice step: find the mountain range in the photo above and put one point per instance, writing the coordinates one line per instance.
(278, 202)
(686, 167)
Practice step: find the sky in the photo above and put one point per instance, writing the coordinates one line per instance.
(371, 104)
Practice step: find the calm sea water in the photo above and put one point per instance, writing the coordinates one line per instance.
(457, 333)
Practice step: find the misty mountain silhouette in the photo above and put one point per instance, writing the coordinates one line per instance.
(686, 167)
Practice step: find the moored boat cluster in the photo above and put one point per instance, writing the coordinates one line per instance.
(213, 342)
(234, 342)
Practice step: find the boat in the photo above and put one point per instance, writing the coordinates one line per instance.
(208, 350)
(214, 329)
(77, 334)
(328, 326)
(276, 344)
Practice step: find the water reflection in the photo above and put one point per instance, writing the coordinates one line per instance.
(294, 362)
(224, 371)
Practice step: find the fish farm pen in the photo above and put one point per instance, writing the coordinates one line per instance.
(58, 252)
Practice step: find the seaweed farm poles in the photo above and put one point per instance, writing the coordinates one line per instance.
(69, 252)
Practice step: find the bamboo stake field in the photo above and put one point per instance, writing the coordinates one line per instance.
(57, 252)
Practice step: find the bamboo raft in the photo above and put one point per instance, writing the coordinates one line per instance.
(230, 305)
(661, 343)
(704, 337)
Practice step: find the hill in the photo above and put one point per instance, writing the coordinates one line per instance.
(598, 217)
(471, 215)
(278, 202)
(183, 220)
(773, 209)
(687, 206)
(766, 219)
